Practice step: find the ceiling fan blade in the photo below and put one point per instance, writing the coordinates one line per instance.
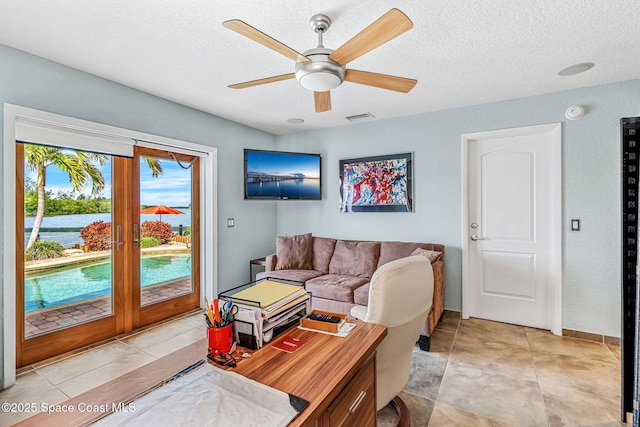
(383, 81)
(387, 27)
(256, 35)
(263, 81)
(322, 100)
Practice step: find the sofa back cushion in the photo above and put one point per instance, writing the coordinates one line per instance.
(390, 251)
(432, 256)
(355, 258)
(322, 251)
(294, 252)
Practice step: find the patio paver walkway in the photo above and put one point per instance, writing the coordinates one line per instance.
(51, 319)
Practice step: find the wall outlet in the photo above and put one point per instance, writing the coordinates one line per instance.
(231, 222)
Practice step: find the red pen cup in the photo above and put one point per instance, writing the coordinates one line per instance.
(220, 339)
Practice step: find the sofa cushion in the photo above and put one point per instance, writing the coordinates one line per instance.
(294, 252)
(390, 251)
(295, 275)
(432, 256)
(355, 258)
(322, 251)
(337, 287)
(361, 295)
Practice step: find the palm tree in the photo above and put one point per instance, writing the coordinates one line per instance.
(155, 165)
(79, 165)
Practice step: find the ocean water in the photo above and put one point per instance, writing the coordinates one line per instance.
(294, 189)
(68, 238)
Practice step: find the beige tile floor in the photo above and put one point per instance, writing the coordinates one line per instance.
(483, 373)
(52, 383)
(479, 373)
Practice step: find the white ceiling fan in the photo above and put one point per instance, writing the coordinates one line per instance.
(320, 69)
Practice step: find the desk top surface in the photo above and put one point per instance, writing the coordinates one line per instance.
(318, 370)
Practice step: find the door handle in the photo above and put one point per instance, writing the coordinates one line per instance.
(118, 240)
(475, 237)
(136, 236)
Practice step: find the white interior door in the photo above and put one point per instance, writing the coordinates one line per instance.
(512, 224)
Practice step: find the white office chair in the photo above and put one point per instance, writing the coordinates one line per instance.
(400, 297)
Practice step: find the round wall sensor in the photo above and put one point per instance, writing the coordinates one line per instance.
(574, 113)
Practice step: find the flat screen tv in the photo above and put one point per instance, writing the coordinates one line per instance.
(282, 175)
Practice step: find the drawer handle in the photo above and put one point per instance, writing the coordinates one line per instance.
(356, 402)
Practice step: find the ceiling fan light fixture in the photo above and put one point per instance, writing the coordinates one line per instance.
(321, 73)
(319, 81)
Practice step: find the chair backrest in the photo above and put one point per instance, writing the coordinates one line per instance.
(400, 297)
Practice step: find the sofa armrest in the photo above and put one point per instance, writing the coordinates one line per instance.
(270, 262)
(358, 312)
(437, 308)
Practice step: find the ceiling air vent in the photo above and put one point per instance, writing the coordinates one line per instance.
(357, 117)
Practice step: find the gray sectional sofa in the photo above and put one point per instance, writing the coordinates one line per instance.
(337, 272)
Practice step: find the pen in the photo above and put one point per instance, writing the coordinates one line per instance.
(216, 311)
(209, 314)
(206, 318)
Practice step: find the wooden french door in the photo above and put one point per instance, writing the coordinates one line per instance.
(157, 300)
(131, 265)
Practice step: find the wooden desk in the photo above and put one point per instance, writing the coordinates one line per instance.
(324, 368)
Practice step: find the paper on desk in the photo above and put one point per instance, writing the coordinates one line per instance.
(253, 317)
(343, 331)
(208, 396)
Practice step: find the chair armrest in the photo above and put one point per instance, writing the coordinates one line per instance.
(358, 312)
(270, 262)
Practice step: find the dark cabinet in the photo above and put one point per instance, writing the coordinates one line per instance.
(630, 135)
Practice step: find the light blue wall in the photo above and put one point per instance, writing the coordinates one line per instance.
(33, 82)
(591, 190)
(591, 164)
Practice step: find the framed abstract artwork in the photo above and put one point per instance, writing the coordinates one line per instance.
(377, 184)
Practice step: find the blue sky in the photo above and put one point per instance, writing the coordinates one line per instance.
(173, 188)
(270, 162)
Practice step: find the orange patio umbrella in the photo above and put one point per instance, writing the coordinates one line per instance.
(161, 209)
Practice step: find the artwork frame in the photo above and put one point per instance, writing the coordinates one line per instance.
(377, 183)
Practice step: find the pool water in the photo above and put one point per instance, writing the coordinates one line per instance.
(78, 283)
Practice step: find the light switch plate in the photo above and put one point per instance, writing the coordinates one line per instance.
(231, 222)
(575, 225)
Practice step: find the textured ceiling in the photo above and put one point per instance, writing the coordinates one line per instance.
(461, 52)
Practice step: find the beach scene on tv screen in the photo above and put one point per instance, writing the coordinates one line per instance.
(282, 175)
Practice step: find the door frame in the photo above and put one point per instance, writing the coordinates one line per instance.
(554, 130)
(208, 211)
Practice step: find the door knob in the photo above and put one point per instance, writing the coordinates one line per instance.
(475, 237)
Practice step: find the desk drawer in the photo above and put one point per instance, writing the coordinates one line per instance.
(356, 404)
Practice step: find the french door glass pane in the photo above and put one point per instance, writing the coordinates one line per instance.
(67, 241)
(165, 218)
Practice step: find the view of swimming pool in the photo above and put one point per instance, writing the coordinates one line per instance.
(78, 283)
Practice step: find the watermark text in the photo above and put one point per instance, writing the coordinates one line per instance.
(81, 407)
